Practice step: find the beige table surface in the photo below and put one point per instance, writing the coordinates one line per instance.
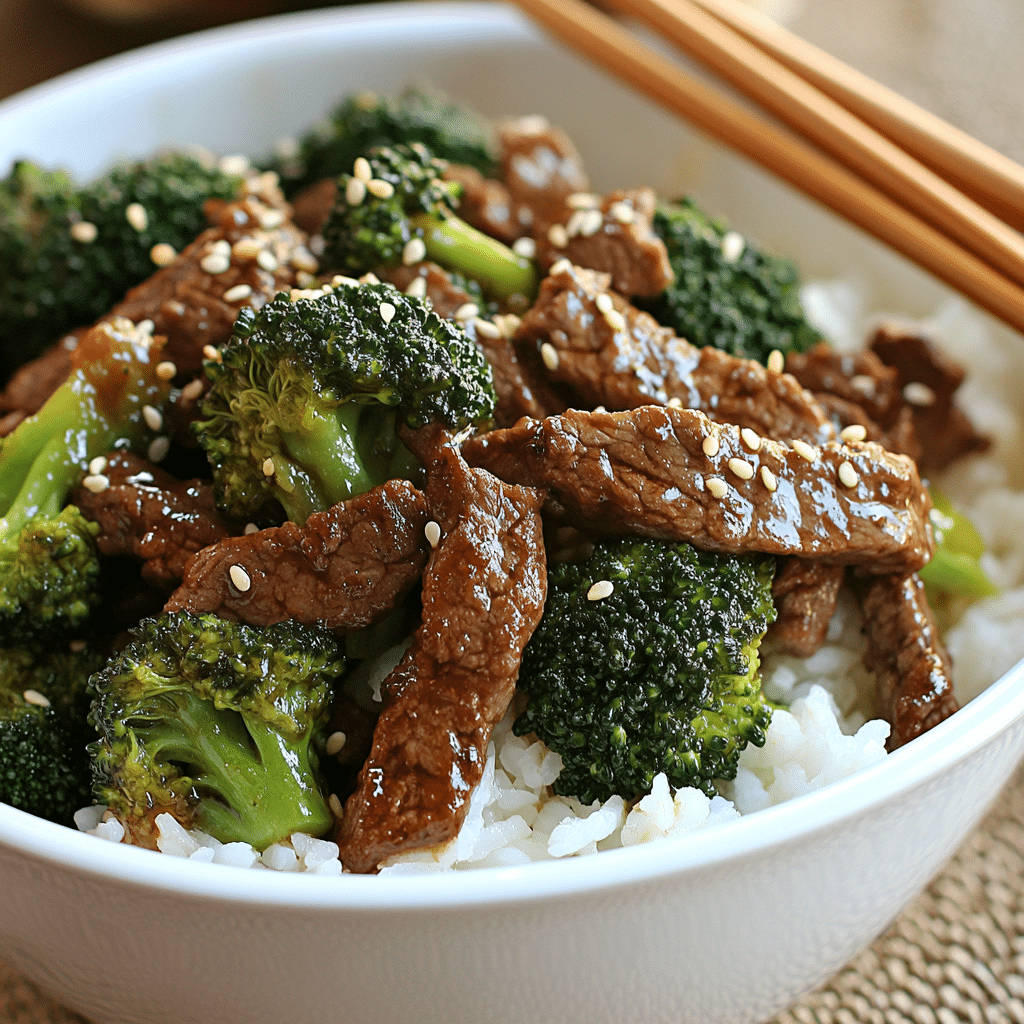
(957, 953)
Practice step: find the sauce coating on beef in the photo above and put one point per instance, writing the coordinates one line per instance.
(483, 595)
(346, 568)
(673, 474)
(805, 595)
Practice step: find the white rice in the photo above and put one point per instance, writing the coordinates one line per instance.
(827, 733)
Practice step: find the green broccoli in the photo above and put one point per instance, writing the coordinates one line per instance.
(405, 202)
(955, 569)
(217, 723)
(658, 675)
(366, 121)
(44, 731)
(305, 403)
(726, 292)
(49, 567)
(68, 254)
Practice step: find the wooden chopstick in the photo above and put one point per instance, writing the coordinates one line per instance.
(597, 36)
(834, 129)
(986, 175)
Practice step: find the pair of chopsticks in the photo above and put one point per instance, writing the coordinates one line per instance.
(932, 193)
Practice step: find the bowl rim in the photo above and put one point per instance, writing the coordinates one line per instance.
(991, 713)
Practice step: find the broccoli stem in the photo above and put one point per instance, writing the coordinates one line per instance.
(252, 782)
(351, 446)
(456, 245)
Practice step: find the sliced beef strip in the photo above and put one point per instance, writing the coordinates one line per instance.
(613, 234)
(928, 380)
(445, 296)
(913, 681)
(540, 167)
(252, 253)
(345, 569)
(483, 595)
(646, 473)
(485, 204)
(805, 594)
(609, 353)
(149, 515)
(312, 206)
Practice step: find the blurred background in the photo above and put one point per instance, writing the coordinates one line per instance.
(961, 60)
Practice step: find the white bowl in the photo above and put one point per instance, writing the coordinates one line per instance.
(729, 924)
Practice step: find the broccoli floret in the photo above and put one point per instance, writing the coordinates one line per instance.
(373, 222)
(727, 293)
(49, 567)
(217, 723)
(304, 405)
(366, 121)
(661, 675)
(44, 731)
(955, 568)
(67, 254)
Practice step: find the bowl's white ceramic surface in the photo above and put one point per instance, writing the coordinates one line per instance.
(726, 925)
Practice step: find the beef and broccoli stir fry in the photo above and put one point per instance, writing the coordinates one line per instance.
(414, 396)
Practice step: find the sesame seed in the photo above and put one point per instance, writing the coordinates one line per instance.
(268, 467)
(582, 200)
(152, 417)
(387, 312)
(35, 697)
(733, 245)
(776, 361)
(417, 288)
(917, 393)
(334, 743)
(718, 487)
(158, 449)
(533, 124)
(432, 531)
(166, 370)
(525, 247)
(751, 439)
(361, 169)
(303, 259)
(355, 191)
(135, 214)
(84, 231)
(744, 470)
(711, 445)
(162, 254)
(675, 402)
(558, 236)
(768, 479)
(622, 212)
(467, 311)
(145, 326)
(222, 245)
(615, 320)
(98, 464)
(604, 302)
(212, 352)
(854, 432)
(848, 475)
(600, 590)
(562, 266)
(414, 251)
(510, 324)
(270, 219)
(240, 578)
(591, 222)
(96, 483)
(215, 263)
(250, 528)
(369, 278)
(192, 390)
(335, 804)
(804, 450)
(486, 328)
(239, 293)
(235, 164)
(246, 249)
(549, 355)
(267, 260)
(863, 383)
(380, 188)
(574, 223)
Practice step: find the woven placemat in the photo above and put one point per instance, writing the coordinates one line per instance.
(956, 954)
